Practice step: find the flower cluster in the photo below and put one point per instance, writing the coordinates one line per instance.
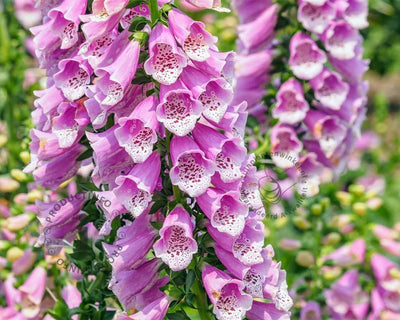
(142, 91)
(255, 52)
(318, 102)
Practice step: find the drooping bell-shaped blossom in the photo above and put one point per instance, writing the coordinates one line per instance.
(214, 94)
(24, 263)
(122, 255)
(316, 18)
(311, 311)
(108, 7)
(330, 89)
(356, 13)
(346, 299)
(26, 13)
(250, 192)
(127, 284)
(73, 77)
(117, 69)
(390, 246)
(291, 106)
(166, 60)
(341, 40)
(306, 59)
(348, 255)
(138, 132)
(65, 21)
(135, 189)
(51, 173)
(352, 69)
(32, 292)
(191, 170)
(228, 154)
(284, 142)
(176, 245)
(110, 159)
(72, 297)
(328, 130)
(226, 294)
(68, 125)
(178, 110)
(247, 246)
(196, 5)
(191, 35)
(265, 21)
(154, 311)
(225, 210)
(264, 310)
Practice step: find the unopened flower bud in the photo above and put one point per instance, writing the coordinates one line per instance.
(35, 195)
(289, 244)
(360, 208)
(395, 273)
(325, 202)
(18, 175)
(357, 189)
(344, 198)
(14, 254)
(8, 185)
(316, 209)
(3, 140)
(305, 259)
(374, 203)
(301, 223)
(25, 157)
(331, 273)
(18, 222)
(331, 239)
(4, 244)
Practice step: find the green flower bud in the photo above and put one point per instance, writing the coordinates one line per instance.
(305, 259)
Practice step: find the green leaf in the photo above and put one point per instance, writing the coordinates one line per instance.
(87, 154)
(191, 276)
(138, 23)
(157, 225)
(134, 3)
(179, 315)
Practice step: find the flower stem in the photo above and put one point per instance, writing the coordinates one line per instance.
(201, 300)
(175, 189)
(154, 12)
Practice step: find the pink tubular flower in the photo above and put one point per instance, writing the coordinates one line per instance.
(346, 299)
(117, 69)
(166, 61)
(191, 170)
(225, 211)
(73, 77)
(284, 142)
(176, 245)
(349, 255)
(191, 35)
(306, 59)
(341, 40)
(316, 18)
(226, 294)
(178, 110)
(203, 4)
(135, 189)
(228, 154)
(311, 311)
(330, 89)
(138, 132)
(214, 94)
(291, 106)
